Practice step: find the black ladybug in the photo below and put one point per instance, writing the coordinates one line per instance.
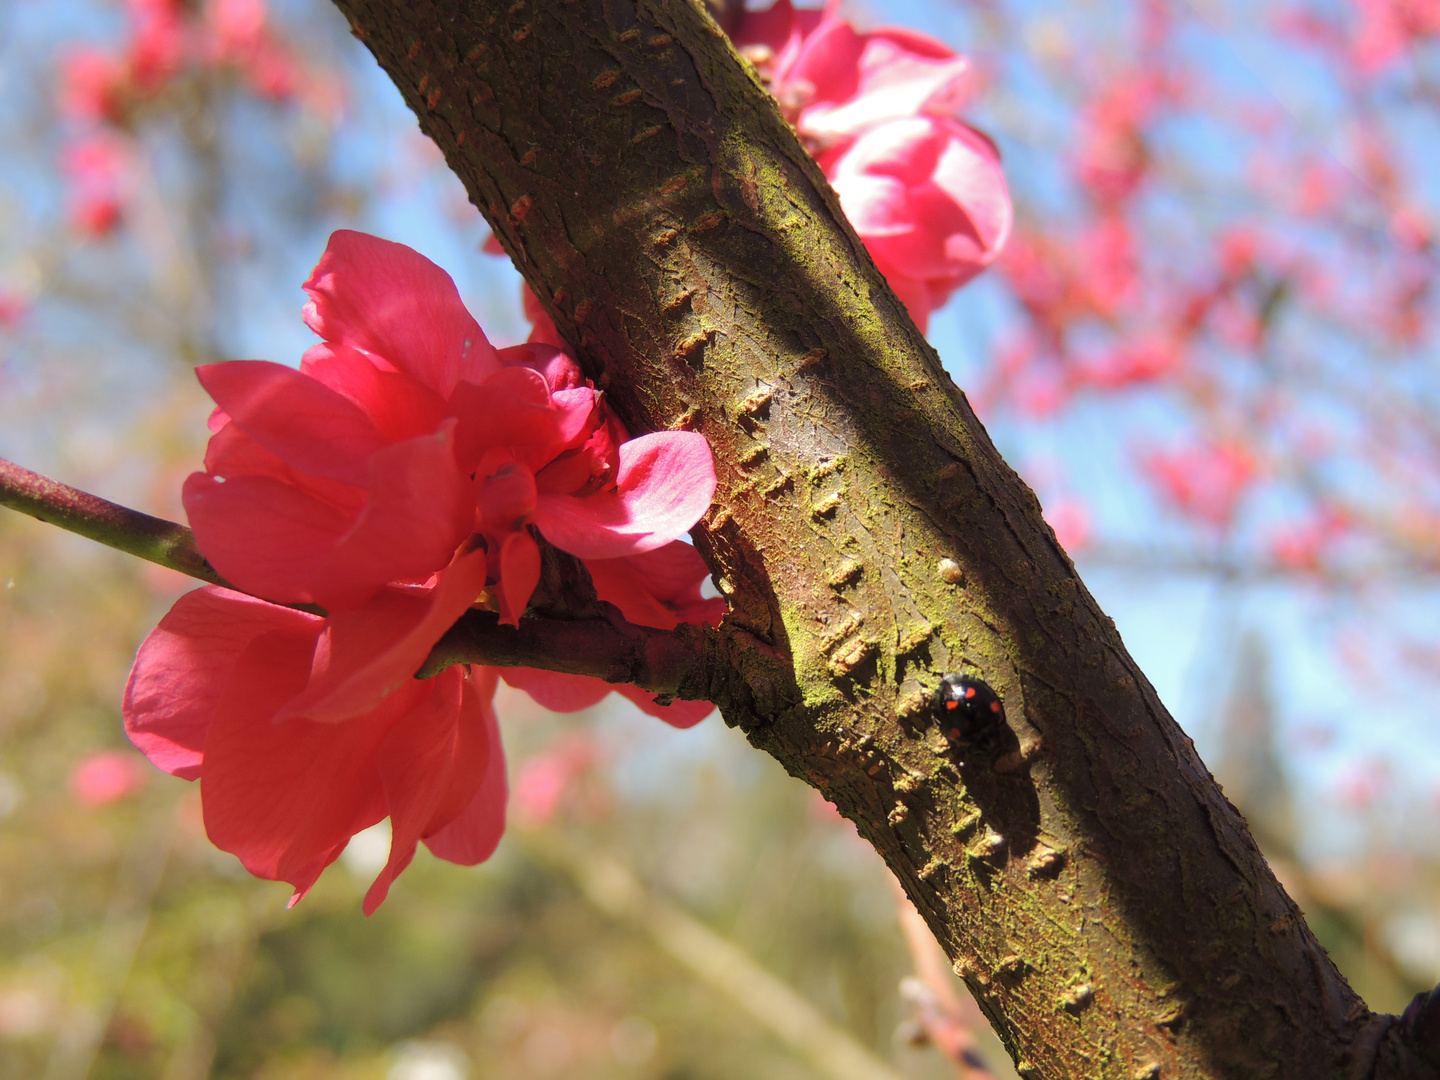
(969, 713)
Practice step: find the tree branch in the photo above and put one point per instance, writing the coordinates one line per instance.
(156, 540)
(669, 663)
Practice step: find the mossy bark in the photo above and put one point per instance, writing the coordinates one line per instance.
(1098, 893)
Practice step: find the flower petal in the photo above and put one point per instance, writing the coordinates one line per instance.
(659, 588)
(863, 80)
(420, 510)
(366, 654)
(398, 405)
(183, 666)
(556, 690)
(264, 535)
(430, 768)
(678, 714)
(519, 574)
(230, 453)
(298, 419)
(472, 836)
(287, 797)
(514, 411)
(554, 364)
(559, 692)
(390, 300)
(663, 486)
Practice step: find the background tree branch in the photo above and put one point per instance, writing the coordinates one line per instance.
(1103, 900)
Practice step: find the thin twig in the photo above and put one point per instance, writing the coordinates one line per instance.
(154, 539)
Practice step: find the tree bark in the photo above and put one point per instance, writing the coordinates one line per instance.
(1100, 896)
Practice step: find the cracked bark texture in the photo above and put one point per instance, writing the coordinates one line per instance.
(1098, 893)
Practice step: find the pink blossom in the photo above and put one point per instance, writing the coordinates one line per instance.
(92, 84)
(1113, 157)
(1302, 545)
(1112, 265)
(13, 307)
(157, 46)
(404, 432)
(306, 730)
(929, 199)
(924, 191)
(1204, 480)
(368, 481)
(834, 82)
(1388, 28)
(543, 781)
(97, 168)
(1148, 358)
(107, 776)
(1070, 521)
(237, 32)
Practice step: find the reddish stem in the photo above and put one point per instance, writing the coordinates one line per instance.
(155, 539)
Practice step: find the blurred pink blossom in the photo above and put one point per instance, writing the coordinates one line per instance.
(97, 168)
(13, 308)
(107, 776)
(1204, 480)
(92, 84)
(1112, 158)
(544, 779)
(1388, 28)
(157, 47)
(1071, 522)
(238, 33)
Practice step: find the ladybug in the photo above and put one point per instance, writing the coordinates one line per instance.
(969, 713)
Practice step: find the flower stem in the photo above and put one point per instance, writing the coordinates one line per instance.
(155, 539)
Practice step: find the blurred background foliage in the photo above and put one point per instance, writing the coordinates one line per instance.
(171, 171)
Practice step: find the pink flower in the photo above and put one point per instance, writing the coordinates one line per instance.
(14, 305)
(366, 482)
(1148, 358)
(929, 199)
(1113, 157)
(98, 170)
(157, 47)
(543, 781)
(1388, 28)
(406, 432)
(924, 191)
(92, 84)
(1205, 480)
(404, 403)
(238, 32)
(325, 484)
(305, 731)
(1070, 521)
(107, 776)
(834, 82)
